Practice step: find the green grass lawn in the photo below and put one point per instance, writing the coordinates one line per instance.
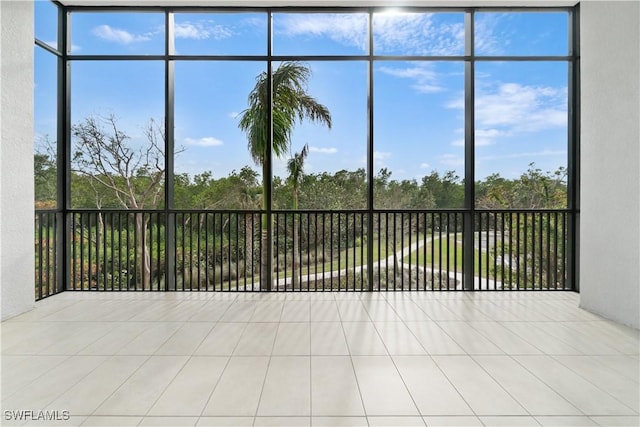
(437, 255)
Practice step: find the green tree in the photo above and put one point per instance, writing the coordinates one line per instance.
(120, 173)
(290, 104)
(295, 167)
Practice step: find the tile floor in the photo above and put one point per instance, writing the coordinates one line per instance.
(319, 359)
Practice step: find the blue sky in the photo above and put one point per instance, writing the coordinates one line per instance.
(521, 107)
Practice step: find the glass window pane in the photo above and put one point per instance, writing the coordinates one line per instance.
(521, 135)
(46, 22)
(320, 34)
(220, 33)
(211, 150)
(333, 174)
(521, 33)
(405, 33)
(117, 141)
(117, 33)
(418, 135)
(45, 103)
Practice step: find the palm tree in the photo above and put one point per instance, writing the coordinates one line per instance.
(290, 104)
(295, 167)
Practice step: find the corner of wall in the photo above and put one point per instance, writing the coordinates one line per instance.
(610, 160)
(17, 270)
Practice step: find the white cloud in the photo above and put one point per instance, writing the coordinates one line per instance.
(381, 155)
(201, 30)
(425, 165)
(118, 35)
(234, 115)
(416, 34)
(208, 141)
(489, 40)
(505, 109)
(425, 79)
(522, 107)
(348, 29)
(323, 150)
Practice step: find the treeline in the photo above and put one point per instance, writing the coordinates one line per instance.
(342, 190)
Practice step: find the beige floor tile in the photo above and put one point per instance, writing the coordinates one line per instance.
(352, 311)
(334, 389)
(396, 422)
(286, 389)
(39, 393)
(327, 338)
(398, 339)
(381, 311)
(60, 421)
(296, 311)
(339, 422)
(189, 391)
(627, 366)
(382, 389)
(116, 339)
(436, 311)
(607, 335)
(151, 339)
(186, 339)
(136, 395)
(282, 422)
(257, 340)
(212, 311)
(40, 339)
(86, 395)
(509, 421)
(465, 309)
(228, 399)
(434, 339)
(479, 390)
(108, 421)
(581, 342)
(453, 421)
(26, 370)
(324, 311)
(429, 387)
(590, 399)
(363, 339)
(617, 421)
(469, 339)
(222, 340)
(560, 421)
(268, 311)
(293, 339)
(503, 338)
(168, 421)
(409, 311)
(225, 422)
(71, 344)
(240, 311)
(535, 336)
(618, 386)
(536, 397)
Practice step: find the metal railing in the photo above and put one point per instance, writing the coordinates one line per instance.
(119, 250)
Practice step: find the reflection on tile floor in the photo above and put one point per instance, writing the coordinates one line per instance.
(311, 359)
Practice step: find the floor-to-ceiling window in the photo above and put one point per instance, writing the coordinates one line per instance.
(415, 149)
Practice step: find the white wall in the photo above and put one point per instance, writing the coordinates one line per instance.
(16, 157)
(610, 160)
